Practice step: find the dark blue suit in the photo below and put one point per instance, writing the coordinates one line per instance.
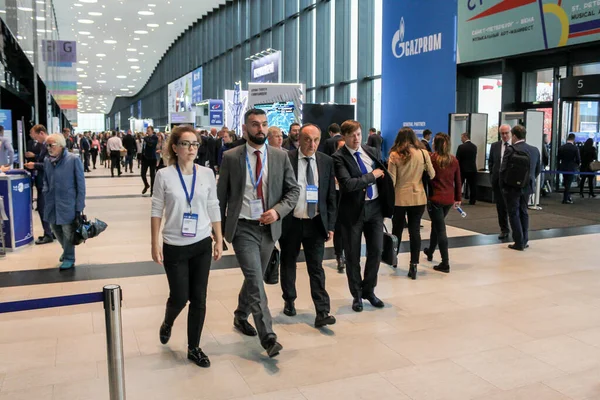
(568, 161)
(38, 180)
(517, 199)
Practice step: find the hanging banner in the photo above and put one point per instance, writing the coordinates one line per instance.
(266, 69)
(61, 57)
(197, 86)
(131, 109)
(499, 28)
(235, 107)
(215, 112)
(139, 109)
(418, 78)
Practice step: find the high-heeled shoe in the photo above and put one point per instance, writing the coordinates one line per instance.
(429, 256)
(412, 272)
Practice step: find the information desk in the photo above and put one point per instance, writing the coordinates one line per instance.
(16, 192)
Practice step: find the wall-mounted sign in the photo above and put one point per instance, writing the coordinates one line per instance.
(197, 86)
(266, 69)
(215, 112)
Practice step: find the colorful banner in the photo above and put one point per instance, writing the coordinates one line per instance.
(180, 94)
(61, 57)
(418, 78)
(197, 86)
(266, 69)
(215, 112)
(498, 28)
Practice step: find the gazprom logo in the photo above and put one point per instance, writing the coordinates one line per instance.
(425, 44)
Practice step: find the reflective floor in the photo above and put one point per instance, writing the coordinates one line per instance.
(501, 325)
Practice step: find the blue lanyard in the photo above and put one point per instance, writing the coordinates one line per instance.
(255, 184)
(188, 197)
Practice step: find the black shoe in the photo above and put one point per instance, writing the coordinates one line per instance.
(273, 347)
(515, 247)
(165, 333)
(145, 189)
(357, 305)
(244, 327)
(503, 235)
(198, 357)
(374, 300)
(44, 240)
(412, 271)
(442, 268)
(289, 309)
(341, 263)
(526, 246)
(581, 194)
(323, 319)
(429, 256)
(592, 195)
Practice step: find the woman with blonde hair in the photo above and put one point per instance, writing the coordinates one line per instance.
(447, 188)
(407, 163)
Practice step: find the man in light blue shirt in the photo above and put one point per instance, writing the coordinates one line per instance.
(7, 153)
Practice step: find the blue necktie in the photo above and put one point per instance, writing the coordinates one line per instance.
(363, 169)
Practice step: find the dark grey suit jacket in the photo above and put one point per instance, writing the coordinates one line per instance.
(495, 161)
(327, 195)
(282, 188)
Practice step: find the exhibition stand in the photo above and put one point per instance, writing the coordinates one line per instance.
(140, 125)
(15, 190)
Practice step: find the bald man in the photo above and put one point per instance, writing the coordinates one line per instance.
(496, 154)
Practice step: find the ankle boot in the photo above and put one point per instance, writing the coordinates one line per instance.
(412, 271)
(443, 267)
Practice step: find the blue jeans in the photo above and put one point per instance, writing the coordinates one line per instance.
(64, 235)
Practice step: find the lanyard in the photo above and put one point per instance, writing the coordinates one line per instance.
(188, 197)
(255, 184)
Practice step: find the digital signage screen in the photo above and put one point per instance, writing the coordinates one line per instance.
(280, 115)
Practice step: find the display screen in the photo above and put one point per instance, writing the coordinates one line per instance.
(280, 115)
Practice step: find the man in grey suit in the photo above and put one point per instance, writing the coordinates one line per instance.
(256, 189)
(495, 162)
(517, 198)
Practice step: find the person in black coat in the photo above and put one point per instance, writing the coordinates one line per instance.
(497, 151)
(367, 198)
(310, 224)
(131, 146)
(331, 144)
(516, 198)
(85, 145)
(427, 139)
(588, 154)
(568, 161)
(467, 160)
(375, 141)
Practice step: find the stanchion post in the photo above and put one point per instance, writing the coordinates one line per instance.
(114, 341)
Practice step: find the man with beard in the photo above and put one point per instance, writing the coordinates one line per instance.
(257, 188)
(291, 142)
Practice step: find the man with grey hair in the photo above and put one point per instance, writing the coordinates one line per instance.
(495, 161)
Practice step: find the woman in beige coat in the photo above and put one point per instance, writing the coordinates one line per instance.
(408, 160)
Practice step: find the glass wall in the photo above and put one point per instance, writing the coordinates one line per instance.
(90, 122)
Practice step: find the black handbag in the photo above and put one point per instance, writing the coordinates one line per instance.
(272, 272)
(426, 179)
(389, 255)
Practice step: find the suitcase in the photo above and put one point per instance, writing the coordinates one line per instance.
(389, 255)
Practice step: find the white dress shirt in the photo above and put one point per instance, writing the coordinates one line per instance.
(301, 210)
(369, 165)
(115, 144)
(169, 198)
(249, 192)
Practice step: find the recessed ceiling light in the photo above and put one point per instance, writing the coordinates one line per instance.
(83, 44)
(79, 69)
(145, 46)
(132, 60)
(84, 33)
(142, 12)
(78, 5)
(131, 49)
(85, 21)
(27, 9)
(124, 90)
(40, 18)
(136, 38)
(169, 23)
(151, 5)
(110, 41)
(100, 81)
(140, 32)
(152, 25)
(90, 37)
(100, 55)
(83, 76)
(121, 77)
(83, 62)
(79, 83)
(98, 66)
(135, 67)
(138, 71)
(118, 19)
(130, 86)
(140, 53)
(88, 1)
(95, 14)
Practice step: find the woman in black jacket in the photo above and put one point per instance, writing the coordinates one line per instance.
(588, 154)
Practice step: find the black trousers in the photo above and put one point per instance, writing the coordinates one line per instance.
(94, 153)
(115, 161)
(516, 203)
(591, 179)
(369, 223)
(501, 208)
(438, 236)
(41, 201)
(86, 160)
(187, 269)
(304, 232)
(414, 214)
(567, 181)
(338, 241)
(148, 164)
(471, 179)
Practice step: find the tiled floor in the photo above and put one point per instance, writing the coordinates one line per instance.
(502, 325)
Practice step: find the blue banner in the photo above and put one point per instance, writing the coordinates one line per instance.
(215, 112)
(139, 109)
(418, 78)
(197, 86)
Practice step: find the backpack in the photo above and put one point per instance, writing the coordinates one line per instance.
(517, 170)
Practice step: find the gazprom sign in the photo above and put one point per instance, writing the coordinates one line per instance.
(424, 44)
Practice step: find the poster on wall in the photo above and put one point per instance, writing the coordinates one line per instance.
(139, 109)
(266, 69)
(131, 109)
(6, 122)
(499, 28)
(197, 86)
(179, 94)
(274, 94)
(418, 76)
(215, 112)
(61, 57)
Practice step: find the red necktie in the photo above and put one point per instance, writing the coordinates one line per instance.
(259, 190)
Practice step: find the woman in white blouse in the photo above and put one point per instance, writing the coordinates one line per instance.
(187, 195)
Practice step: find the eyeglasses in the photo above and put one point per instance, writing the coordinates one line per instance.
(52, 145)
(189, 145)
